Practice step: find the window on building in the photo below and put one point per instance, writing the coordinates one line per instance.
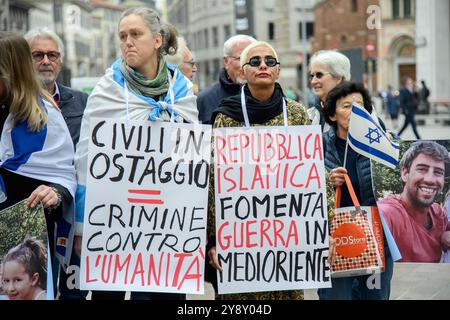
(206, 39)
(344, 39)
(354, 5)
(226, 31)
(271, 31)
(396, 9)
(403, 9)
(309, 30)
(407, 8)
(215, 35)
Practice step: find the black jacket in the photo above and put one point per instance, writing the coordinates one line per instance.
(209, 99)
(72, 104)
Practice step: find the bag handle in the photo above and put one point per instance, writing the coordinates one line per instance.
(337, 198)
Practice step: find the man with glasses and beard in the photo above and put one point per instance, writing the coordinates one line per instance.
(419, 224)
(47, 51)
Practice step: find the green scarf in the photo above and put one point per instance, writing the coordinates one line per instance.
(155, 89)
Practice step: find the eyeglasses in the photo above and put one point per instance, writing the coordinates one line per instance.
(192, 63)
(256, 61)
(51, 55)
(234, 58)
(318, 75)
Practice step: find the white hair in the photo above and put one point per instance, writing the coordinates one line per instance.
(244, 54)
(335, 62)
(234, 40)
(177, 59)
(45, 33)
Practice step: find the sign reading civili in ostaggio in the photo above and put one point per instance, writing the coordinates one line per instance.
(146, 207)
(271, 209)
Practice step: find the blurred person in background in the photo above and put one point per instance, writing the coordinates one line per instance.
(229, 83)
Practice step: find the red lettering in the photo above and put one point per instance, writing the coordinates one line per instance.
(292, 233)
(192, 276)
(269, 172)
(236, 245)
(105, 278)
(257, 177)
(248, 243)
(265, 226)
(244, 142)
(307, 155)
(138, 270)
(226, 178)
(167, 270)
(152, 269)
(318, 147)
(268, 146)
(181, 256)
(278, 226)
(223, 246)
(219, 180)
(293, 174)
(220, 156)
(313, 175)
(88, 268)
(241, 180)
(232, 147)
(119, 267)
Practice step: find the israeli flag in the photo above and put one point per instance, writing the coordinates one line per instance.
(366, 137)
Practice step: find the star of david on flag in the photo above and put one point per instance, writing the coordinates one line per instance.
(366, 137)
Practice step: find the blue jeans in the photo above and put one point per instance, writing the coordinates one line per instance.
(355, 288)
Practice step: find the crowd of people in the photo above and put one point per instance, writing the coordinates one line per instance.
(45, 130)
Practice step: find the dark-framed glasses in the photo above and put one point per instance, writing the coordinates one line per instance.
(318, 75)
(51, 55)
(256, 61)
(192, 63)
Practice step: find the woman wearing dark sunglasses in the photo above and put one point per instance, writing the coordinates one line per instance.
(327, 69)
(264, 102)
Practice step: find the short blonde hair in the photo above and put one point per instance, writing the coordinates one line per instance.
(244, 54)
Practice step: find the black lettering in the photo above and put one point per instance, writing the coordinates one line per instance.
(94, 134)
(119, 167)
(116, 216)
(193, 218)
(91, 214)
(278, 206)
(94, 161)
(134, 166)
(93, 249)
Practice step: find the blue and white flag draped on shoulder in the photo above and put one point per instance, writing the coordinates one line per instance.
(112, 99)
(45, 155)
(366, 137)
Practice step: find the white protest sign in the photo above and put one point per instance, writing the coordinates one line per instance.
(271, 209)
(146, 207)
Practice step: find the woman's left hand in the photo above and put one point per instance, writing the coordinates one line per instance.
(44, 194)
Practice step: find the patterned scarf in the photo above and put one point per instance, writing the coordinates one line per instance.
(156, 88)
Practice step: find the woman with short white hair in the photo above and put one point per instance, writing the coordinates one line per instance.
(261, 102)
(328, 68)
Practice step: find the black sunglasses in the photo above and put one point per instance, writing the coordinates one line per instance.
(51, 55)
(256, 61)
(318, 75)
